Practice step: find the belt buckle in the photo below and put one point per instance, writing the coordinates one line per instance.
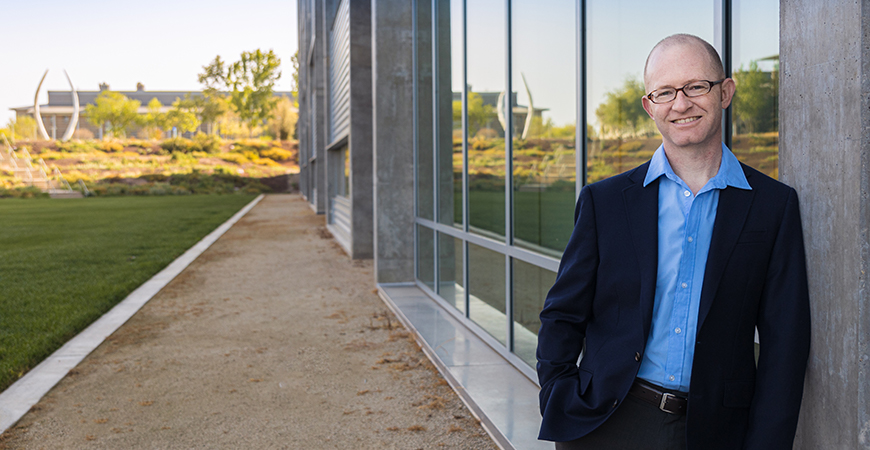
(665, 397)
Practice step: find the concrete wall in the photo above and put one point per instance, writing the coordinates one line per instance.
(393, 140)
(825, 155)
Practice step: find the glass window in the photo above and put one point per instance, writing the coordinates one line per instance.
(485, 33)
(450, 112)
(450, 262)
(620, 34)
(755, 69)
(543, 50)
(426, 256)
(425, 165)
(530, 284)
(486, 280)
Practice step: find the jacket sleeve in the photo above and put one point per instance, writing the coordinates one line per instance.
(784, 339)
(566, 312)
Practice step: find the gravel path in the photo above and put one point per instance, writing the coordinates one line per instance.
(272, 338)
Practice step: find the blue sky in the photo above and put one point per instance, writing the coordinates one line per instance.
(160, 43)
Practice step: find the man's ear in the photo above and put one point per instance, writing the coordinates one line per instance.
(647, 106)
(728, 89)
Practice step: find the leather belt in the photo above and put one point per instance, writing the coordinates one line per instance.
(655, 396)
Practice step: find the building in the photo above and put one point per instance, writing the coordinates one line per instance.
(472, 219)
(57, 113)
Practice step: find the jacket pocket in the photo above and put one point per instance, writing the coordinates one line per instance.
(585, 378)
(739, 393)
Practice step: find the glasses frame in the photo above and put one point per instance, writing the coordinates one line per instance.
(649, 96)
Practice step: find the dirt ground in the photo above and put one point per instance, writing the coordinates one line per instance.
(273, 338)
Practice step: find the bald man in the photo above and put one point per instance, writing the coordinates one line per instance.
(671, 268)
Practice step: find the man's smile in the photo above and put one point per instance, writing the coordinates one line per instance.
(687, 119)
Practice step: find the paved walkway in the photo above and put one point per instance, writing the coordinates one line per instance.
(272, 338)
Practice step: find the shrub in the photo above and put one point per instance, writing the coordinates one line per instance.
(183, 158)
(178, 144)
(83, 133)
(268, 162)
(78, 146)
(233, 158)
(206, 143)
(111, 146)
(23, 192)
(277, 154)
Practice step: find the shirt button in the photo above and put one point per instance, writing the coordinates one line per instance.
(684, 285)
(678, 331)
(672, 378)
(690, 239)
(687, 193)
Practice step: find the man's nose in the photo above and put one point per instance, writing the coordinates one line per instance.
(681, 102)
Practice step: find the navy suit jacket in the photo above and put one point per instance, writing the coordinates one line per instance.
(603, 296)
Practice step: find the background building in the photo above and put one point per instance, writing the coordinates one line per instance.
(404, 150)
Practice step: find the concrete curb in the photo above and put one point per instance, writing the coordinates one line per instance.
(17, 399)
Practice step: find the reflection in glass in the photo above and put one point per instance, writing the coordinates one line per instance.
(450, 260)
(755, 69)
(531, 284)
(620, 133)
(543, 53)
(425, 170)
(486, 280)
(449, 125)
(486, 118)
(426, 256)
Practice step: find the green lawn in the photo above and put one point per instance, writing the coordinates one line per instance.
(64, 263)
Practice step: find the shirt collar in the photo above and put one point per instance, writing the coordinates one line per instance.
(730, 172)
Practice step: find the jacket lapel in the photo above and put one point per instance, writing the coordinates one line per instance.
(731, 214)
(641, 207)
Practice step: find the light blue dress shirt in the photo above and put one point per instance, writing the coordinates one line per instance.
(685, 227)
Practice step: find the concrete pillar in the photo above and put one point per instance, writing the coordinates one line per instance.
(360, 139)
(393, 140)
(319, 123)
(825, 154)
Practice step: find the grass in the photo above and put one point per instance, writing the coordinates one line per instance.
(63, 264)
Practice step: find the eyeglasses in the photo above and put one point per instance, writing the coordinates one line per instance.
(693, 89)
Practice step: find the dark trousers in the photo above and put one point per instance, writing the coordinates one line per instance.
(635, 425)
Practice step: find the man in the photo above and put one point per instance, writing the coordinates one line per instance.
(669, 271)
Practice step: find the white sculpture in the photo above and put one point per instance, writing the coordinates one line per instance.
(73, 123)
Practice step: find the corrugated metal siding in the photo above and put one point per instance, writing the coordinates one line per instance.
(314, 125)
(341, 220)
(339, 73)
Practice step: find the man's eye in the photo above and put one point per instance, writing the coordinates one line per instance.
(700, 87)
(665, 93)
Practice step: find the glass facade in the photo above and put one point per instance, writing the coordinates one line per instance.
(521, 102)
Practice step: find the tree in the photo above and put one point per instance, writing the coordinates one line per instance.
(294, 89)
(283, 124)
(252, 81)
(622, 112)
(154, 121)
(755, 102)
(182, 117)
(115, 111)
(21, 127)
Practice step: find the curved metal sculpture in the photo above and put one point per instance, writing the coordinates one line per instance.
(531, 112)
(36, 114)
(74, 121)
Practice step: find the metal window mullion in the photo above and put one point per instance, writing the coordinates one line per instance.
(465, 202)
(727, 37)
(415, 73)
(436, 181)
(580, 133)
(508, 184)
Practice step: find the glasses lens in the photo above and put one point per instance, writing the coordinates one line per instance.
(663, 95)
(697, 88)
